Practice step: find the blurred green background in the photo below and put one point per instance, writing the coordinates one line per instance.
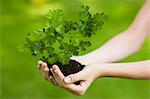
(20, 78)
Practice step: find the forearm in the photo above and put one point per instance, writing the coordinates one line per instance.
(141, 23)
(119, 47)
(133, 70)
(124, 44)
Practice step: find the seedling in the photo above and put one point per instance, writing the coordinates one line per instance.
(62, 38)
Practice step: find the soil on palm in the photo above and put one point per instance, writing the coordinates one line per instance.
(71, 68)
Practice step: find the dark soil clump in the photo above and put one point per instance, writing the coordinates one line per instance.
(71, 68)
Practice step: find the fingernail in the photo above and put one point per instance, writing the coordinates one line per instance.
(54, 67)
(39, 62)
(51, 70)
(67, 79)
(44, 64)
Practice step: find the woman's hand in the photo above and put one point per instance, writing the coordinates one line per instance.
(86, 76)
(42, 66)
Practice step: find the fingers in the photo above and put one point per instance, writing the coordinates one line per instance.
(57, 74)
(74, 77)
(78, 89)
(39, 64)
(53, 80)
(59, 78)
(45, 72)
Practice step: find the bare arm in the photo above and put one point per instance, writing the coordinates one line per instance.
(124, 44)
(133, 70)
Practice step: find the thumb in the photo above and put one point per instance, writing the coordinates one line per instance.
(74, 77)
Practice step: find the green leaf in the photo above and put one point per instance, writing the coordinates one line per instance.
(52, 60)
(64, 58)
(63, 37)
(85, 44)
(45, 54)
(55, 17)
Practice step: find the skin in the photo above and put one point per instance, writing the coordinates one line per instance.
(99, 62)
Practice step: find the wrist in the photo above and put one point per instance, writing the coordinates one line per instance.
(99, 69)
(103, 69)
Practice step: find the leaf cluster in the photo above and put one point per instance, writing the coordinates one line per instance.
(62, 38)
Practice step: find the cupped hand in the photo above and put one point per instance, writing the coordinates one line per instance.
(86, 77)
(58, 79)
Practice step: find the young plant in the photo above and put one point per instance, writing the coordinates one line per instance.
(62, 38)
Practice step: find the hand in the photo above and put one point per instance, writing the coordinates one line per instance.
(86, 76)
(42, 66)
(58, 78)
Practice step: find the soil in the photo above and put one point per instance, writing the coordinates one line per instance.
(71, 68)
